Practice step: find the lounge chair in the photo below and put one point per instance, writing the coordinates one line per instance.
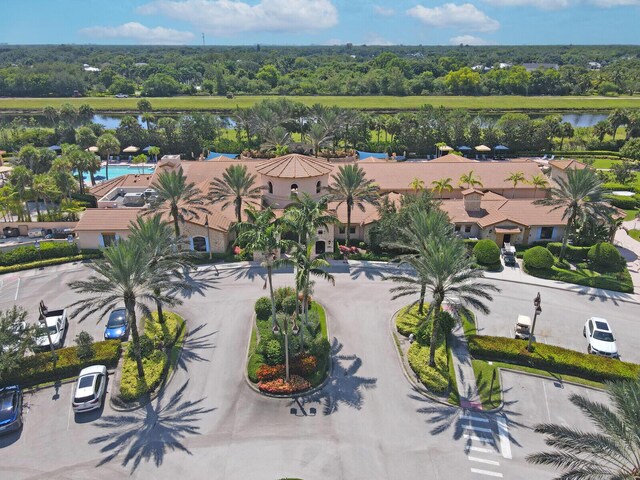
(484, 157)
(545, 157)
(552, 157)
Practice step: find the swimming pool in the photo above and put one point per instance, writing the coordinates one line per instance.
(118, 171)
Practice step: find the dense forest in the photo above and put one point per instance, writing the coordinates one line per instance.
(67, 70)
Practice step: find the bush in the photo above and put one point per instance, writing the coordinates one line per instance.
(320, 347)
(625, 203)
(163, 334)
(85, 345)
(280, 387)
(38, 368)
(539, 258)
(47, 263)
(408, 320)
(255, 362)
(573, 253)
(270, 372)
(289, 305)
(147, 347)
(552, 358)
(273, 352)
(154, 366)
(486, 252)
(28, 254)
(605, 256)
(282, 293)
(263, 308)
(435, 379)
(424, 332)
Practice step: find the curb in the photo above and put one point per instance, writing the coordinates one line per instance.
(252, 386)
(418, 387)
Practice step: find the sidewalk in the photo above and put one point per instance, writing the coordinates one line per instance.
(630, 250)
(465, 378)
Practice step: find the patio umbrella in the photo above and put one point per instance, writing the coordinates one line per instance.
(446, 148)
(146, 149)
(93, 149)
(464, 148)
(130, 149)
(482, 148)
(55, 148)
(501, 148)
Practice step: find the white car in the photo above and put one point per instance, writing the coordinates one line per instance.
(600, 339)
(90, 389)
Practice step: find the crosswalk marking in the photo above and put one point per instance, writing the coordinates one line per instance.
(482, 460)
(482, 450)
(505, 444)
(486, 472)
(473, 418)
(477, 429)
(478, 439)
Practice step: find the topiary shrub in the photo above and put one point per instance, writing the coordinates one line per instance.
(263, 308)
(539, 258)
(486, 252)
(273, 352)
(605, 256)
(289, 305)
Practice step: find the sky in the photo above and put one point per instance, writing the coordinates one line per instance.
(320, 22)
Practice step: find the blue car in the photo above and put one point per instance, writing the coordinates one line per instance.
(117, 325)
(10, 409)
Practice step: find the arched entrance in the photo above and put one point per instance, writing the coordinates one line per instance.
(320, 247)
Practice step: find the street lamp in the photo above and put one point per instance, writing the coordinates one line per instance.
(536, 303)
(206, 225)
(295, 330)
(37, 245)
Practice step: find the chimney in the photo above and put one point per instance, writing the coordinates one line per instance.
(472, 199)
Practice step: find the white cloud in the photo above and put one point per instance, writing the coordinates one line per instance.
(384, 11)
(227, 17)
(469, 40)
(615, 3)
(452, 15)
(140, 34)
(541, 4)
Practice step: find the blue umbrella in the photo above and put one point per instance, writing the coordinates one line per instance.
(55, 148)
(146, 149)
(464, 148)
(500, 147)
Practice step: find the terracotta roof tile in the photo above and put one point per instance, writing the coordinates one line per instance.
(452, 158)
(295, 166)
(129, 180)
(565, 164)
(107, 219)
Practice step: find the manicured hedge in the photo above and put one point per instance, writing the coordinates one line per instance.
(625, 203)
(131, 387)
(263, 308)
(38, 368)
(29, 253)
(577, 254)
(47, 263)
(552, 358)
(538, 257)
(486, 252)
(435, 379)
(603, 255)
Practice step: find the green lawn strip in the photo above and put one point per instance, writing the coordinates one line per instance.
(322, 318)
(454, 396)
(468, 323)
(617, 281)
(604, 163)
(546, 373)
(502, 102)
(635, 234)
(631, 214)
(490, 398)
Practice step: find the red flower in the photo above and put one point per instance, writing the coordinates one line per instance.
(279, 386)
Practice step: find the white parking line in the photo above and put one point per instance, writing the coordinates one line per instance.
(505, 444)
(482, 460)
(478, 439)
(477, 429)
(17, 290)
(546, 400)
(486, 472)
(475, 419)
(482, 450)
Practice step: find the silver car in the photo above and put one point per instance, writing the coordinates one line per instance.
(90, 389)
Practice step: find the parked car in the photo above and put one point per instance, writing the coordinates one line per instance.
(56, 322)
(90, 389)
(10, 409)
(600, 339)
(122, 95)
(510, 260)
(117, 326)
(522, 329)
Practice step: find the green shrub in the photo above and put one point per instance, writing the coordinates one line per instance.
(273, 352)
(605, 256)
(165, 333)
(147, 347)
(255, 362)
(289, 305)
(282, 293)
(486, 252)
(425, 330)
(263, 308)
(573, 253)
(626, 203)
(552, 358)
(408, 320)
(435, 379)
(538, 257)
(85, 345)
(27, 254)
(320, 347)
(131, 386)
(38, 368)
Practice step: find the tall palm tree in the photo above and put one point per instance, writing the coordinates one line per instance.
(21, 179)
(177, 197)
(515, 178)
(538, 181)
(278, 140)
(470, 180)
(306, 215)
(122, 276)
(108, 145)
(351, 186)
(44, 188)
(262, 233)
(318, 136)
(416, 185)
(616, 119)
(441, 185)
(235, 185)
(613, 452)
(580, 196)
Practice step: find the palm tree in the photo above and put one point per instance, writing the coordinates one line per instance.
(278, 140)
(351, 186)
(515, 178)
(261, 233)
(616, 119)
(580, 196)
(155, 151)
(21, 179)
(235, 185)
(122, 276)
(611, 452)
(470, 180)
(538, 181)
(318, 136)
(177, 198)
(416, 185)
(44, 188)
(108, 145)
(441, 185)
(306, 215)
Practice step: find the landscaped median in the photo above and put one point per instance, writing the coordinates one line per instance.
(308, 366)
(50, 253)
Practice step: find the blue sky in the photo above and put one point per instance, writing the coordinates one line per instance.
(301, 22)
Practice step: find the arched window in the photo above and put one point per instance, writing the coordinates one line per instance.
(200, 244)
(294, 188)
(270, 187)
(318, 186)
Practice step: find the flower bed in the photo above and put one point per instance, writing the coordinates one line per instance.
(280, 387)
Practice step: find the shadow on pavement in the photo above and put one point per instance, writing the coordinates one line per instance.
(344, 387)
(9, 439)
(603, 295)
(194, 344)
(151, 432)
(197, 282)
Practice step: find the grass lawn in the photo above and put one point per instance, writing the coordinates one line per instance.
(490, 398)
(499, 103)
(617, 281)
(635, 234)
(546, 373)
(604, 163)
(631, 214)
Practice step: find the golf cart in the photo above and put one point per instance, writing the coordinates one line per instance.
(522, 329)
(509, 255)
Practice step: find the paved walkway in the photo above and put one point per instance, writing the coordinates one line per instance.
(630, 250)
(465, 378)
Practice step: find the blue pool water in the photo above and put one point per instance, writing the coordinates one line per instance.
(117, 171)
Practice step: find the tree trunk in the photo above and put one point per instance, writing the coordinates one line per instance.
(176, 225)
(135, 337)
(273, 297)
(38, 209)
(434, 332)
(106, 172)
(348, 224)
(423, 291)
(238, 202)
(80, 181)
(565, 238)
(93, 179)
(156, 292)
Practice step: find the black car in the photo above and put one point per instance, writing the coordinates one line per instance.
(510, 260)
(10, 409)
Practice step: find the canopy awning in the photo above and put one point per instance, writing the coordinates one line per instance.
(214, 155)
(500, 147)
(483, 148)
(371, 154)
(130, 149)
(508, 230)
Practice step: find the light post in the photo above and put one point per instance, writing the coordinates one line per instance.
(295, 330)
(37, 245)
(206, 225)
(536, 303)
